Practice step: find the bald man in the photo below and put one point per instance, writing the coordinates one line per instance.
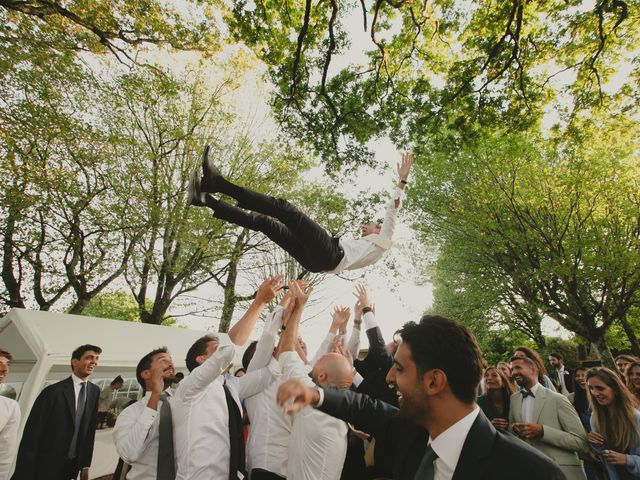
(318, 442)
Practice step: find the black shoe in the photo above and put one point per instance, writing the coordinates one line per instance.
(211, 175)
(196, 196)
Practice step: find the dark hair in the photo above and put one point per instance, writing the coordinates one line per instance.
(82, 349)
(248, 354)
(557, 355)
(438, 342)
(197, 349)
(179, 376)
(526, 360)
(145, 364)
(235, 374)
(5, 354)
(535, 357)
(117, 380)
(580, 399)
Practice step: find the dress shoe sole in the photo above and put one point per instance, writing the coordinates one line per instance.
(211, 175)
(196, 197)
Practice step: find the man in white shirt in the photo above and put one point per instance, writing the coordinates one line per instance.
(206, 408)
(306, 241)
(137, 430)
(9, 421)
(439, 433)
(546, 420)
(318, 442)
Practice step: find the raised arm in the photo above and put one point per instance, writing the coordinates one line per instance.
(339, 317)
(389, 222)
(300, 296)
(240, 332)
(268, 339)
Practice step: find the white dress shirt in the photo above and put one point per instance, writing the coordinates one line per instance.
(201, 418)
(364, 251)
(9, 422)
(563, 387)
(448, 446)
(318, 443)
(269, 429)
(528, 403)
(136, 438)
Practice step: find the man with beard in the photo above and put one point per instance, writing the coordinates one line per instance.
(546, 420)
(143, 433)
(440, 432)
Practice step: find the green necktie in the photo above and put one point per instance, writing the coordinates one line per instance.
(426, 470)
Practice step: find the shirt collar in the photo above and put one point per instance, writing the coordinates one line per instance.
(448, 445)
(76, 380)
(535, 388)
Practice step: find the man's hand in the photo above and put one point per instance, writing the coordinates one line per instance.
(595, 438)
(339, 318)
(338, 347)
(528, 430)
(500, 423)
(294, 395)
(362, 296)
(404, 166)
(269, 289)
(300, 291)
(84, 473)
(157, 377)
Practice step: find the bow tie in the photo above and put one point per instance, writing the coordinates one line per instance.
(527, 393)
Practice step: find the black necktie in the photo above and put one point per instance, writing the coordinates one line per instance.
(166, 460)
(527, 393)
(82, 399)
(427, 470)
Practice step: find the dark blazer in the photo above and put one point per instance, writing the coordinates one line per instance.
(487, 454)
(490, 411)
(49, 429)
(568, 380)
(374, 369)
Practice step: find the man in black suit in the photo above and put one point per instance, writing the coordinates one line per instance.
(439, 431)
(57, 442)
(561, 378)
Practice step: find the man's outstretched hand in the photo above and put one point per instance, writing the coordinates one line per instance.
(269, 289)
(404, 166)
(294, 395)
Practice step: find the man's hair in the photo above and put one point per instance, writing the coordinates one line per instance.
(248, 354)
(117, 380)
(145, 364)
(557, 355)
(5, 354)
(438, 342)
(179, 376)
(82, 349)
(530, 363)
(199, 348)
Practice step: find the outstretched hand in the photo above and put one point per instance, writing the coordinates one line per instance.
(339, 318)
(294, 395)
(362, 296)
(269, 289)
(404, 166)
(300, 291)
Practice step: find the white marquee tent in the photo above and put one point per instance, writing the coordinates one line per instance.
(41, 344)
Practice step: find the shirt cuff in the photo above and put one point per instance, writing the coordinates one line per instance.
(321, 398)
(369, 320)
(357, 379)
(398, 194)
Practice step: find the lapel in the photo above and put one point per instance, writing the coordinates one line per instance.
(477, 446)
(538, 404)
(70, 396)
(517, 406)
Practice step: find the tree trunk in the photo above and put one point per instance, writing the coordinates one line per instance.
(600, 349)
(633, 340)
(230, 298)
(11, 283)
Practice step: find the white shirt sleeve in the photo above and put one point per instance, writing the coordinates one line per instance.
(206, 373)
(294, 369)
(353, 345)
(325, 347)
(257, 380)
(131, 432)
(389, 222)
(369, 320)
(267, 341)
(9, 422)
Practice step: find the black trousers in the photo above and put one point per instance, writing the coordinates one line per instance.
(306, 241)
(259, 474)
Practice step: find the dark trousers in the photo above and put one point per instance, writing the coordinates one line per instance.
(301, 237)
(259, 474)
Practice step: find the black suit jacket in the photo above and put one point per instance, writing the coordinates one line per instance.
(568, 380)
(374, 369)
(49, 429)
(487, 454)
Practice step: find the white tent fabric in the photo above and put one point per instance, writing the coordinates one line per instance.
(41, 344)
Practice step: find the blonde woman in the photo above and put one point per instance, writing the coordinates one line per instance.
(615, 424)
(632, 376)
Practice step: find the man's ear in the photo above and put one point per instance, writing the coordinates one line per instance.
(145, 374)
(434, 381)
(200, 359)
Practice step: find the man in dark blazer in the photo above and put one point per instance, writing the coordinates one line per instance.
(561, 378)
(438, 430)
(57, 442)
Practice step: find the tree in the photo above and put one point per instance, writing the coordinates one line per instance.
(556, 219)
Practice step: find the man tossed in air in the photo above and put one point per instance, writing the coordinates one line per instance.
(306, 241)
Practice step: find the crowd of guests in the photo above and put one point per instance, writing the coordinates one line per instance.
(423, 406)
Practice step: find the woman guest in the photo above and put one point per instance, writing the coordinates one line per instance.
(615, 424)
(531, 354)
(506, 369)
(622, 362)
(632, 375)
(495, 402)
(578, 397)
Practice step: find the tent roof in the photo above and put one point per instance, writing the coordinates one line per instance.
(30, 335)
